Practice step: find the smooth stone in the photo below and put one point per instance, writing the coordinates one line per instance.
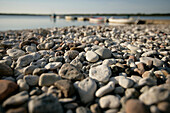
(66, 87)
(154, 95)
(86, 90)
(15, 53)
(36, 55)
(70, 72)
(23, 86)
(53, 65)
(105, 89)
(31, 80)
(39, 71)
(109, 62)
(147, 81)
(131, 93)
(45, 104)
(154, 109)
(119, 90)
(71, 105)
(135, 106)
(17, 110)
(92, 56)
(149, 53)
(112, 111)
(95, 108)
(132, 47)
(135, 78)
(5, 70)
(164, 107)
(30, 49)
(156, 62)
(82, 109)
(109, 101)
(57, 59)
(16, 100)
(100, 73)
(29, 69)
(7, 88)
(49, 45)
(67, 100)
(104, 53)
(47, 79)
(24, 60)
(126, 83)
(72, 54)
(141, 68)
(77, 63)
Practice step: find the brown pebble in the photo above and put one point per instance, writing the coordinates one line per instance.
(164, 107)
(17, 110)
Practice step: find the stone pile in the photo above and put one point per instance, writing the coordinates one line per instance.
(86, 69)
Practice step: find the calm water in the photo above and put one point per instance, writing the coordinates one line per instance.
(8, 22)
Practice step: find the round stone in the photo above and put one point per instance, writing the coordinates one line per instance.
(104, 53)
(92, 56)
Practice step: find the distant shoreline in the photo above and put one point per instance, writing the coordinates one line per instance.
(97, 14)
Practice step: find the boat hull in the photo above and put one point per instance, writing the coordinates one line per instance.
(122, 21)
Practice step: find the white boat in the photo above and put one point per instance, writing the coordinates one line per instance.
(97, 19)
(82, 18)
(123, 21)
(70, 18)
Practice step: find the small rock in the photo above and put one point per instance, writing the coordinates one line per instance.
(95, 108)
(105, 89)
(149, 53)
(23, 86)
(17, 110)
(31, 80)
(44, 104)
(70, 72)
(17, 99)
(82, 110)
(5, 70)
(71, 54)
(15, 53)
(154, 95)
(24, 60)
(109, 101)
(77, 63)
(119, 90)
(135, 106)
(47, 79)
(92, 56)
(30, 49)
(100, 73)
(7, 88)
(156, 62)
(53, 65)
(131, 93)
(125, 82)
(164, 107)
(71, 105)
(39, 71)
(104, 53)
(86, 89)
(66, 87)
(29, 69)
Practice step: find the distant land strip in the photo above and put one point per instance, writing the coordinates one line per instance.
(95, 14)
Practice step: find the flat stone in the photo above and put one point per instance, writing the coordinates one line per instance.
(164, 107)
(92, 56)
(30, 49)
(154, 95)
(66, 87)
(23, 86)
(5, 70)
(39, 71)
(53, 65)
(109, 101)
(71, 105)
(17, 110)
(24, 60)
(44, 104)
(132, 47)
(86, 90)
(31, 80)
(16, 100)
(82, 109)
(100, 73)
(149, 53)
(135, 106)
(47, 79)
(156, 62)
(119, 90)
(7, 88)
(141, 68)
(72, 54)
(29, 69)
(104, 53)
(70, 72)
(147, 81)
(125, 82)
(105, 89)
(15, 53)
(77, 63)
(131, 93)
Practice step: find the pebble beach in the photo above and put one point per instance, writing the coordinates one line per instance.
(86, 69)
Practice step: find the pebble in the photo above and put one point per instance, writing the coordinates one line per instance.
(29, 69)
(5, 70)
(86, 89)
(164, 107)
(105, 89)
(135, 106)
(53, 65)
(31, 80)
(126, 83)
(15, 53)
(30, 49)
(156, 62)
(47, 79)
(72, 54)
(7, 88)
(104, 53)
(44, 104)
(70, 72)
(17, 110)
(92, 56)
(95, 108)
(66, 87)
(16, 100)
(109, 101)
(100, 73)
(24, 60)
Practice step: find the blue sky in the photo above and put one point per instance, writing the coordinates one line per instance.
(85, 6)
